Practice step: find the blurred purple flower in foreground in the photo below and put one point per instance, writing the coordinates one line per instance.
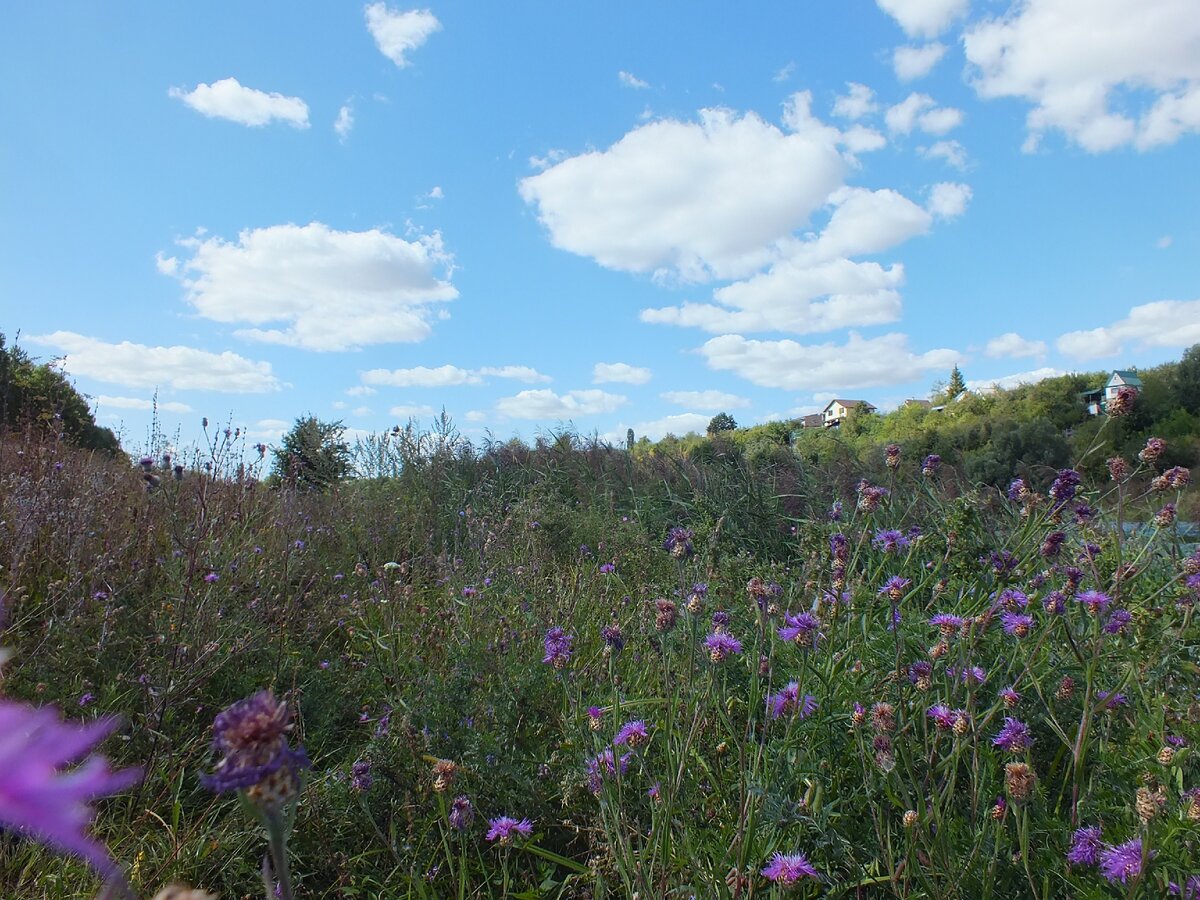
(37, 798)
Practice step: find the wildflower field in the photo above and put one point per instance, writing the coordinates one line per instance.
(566, 671)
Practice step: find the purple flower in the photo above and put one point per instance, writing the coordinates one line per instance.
(895, 587)
(946, 719)
(890, 540)
(947, 623)
(1190, 890)
(1111, 701)
(632, 733)
(1018, 489)
(1055, 603)
(679, 543)
(788, 701)
(1118, 621)
(721, 645)
(1065, 485)
(607, 569)
(462, 814)
(1002, 562)
(787, 869)
(800, 628)
(1012, 599)
(1014, 737)
(720, 620)
(211, 577)
(839, 547)
(558, 647)
(1086, 844)
(931, 464)
(252, 736)
(37, 798)
(1017, 624)
(605, 764)
(502, 830)
(86, 698)
(1095, 601)
(1122, 862)
(613, 638)
(360, 775)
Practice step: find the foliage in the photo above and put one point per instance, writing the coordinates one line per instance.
(313, 455)
(721, 422)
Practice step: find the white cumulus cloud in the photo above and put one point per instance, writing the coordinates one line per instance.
(924, 18)
(656, 429)
(1007, 382)
(172, 406)
(951, 152)
(912, 62)
(545, 404)
(710, 401)
(1164, 323)
(948, 199)
(396, 33)
(921, 111)
(623, 373)
(448, 376)
(411, 411)
(859, 363)
(138, 365)
(692, 200)
(228, 99)
(1106, 73)
(328, 289)
(1013, 346)
(857, 102)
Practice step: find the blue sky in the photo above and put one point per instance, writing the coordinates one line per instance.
(611, 215)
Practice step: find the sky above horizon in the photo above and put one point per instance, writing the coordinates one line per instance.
(597, 216)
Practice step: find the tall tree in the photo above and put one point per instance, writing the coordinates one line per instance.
(957, 384)
(313, 455)
(721, 422)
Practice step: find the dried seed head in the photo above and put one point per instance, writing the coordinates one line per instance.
(1166, 755)
(444, 772)
(911, 818)
(1019, 781)
(1066, 688)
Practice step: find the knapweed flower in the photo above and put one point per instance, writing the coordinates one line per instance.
(801, 629)
(1118, 621)
(1014, 737)
(948, 624)
(665, 614)
(1052, 544)
(40, 800)
(1094, 601)
(869, 497)
(503, 830)
(679, 543)
(595, 718)
(1122, 862)
(1165, 517)
(883, 717)
(1001, 561)
(558, 648)
(1055, 603)
(444, 772)
(1065, 485)
(947, 719)
(633, 733)
(720, 620)
(835, 511)
(211, 577)
(789, 701)
(1118, 468)
(1153, 450)
(891, 456)
(1009, 697)
(787, 869)
(895, 587)
(930, 465)
(614, 639)
(607, 568)
(1017, 624)
(252, 736)
(920, 673)
(695, 600)
(890, 540)
(605, 764)
(360, 776)
(1086, 845)
(461, 814)
(1012, 600)
(721, 646)
(1019, 781)
(1018, 490)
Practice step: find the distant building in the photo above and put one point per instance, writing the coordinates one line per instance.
(923, 404)
(1097, 400)
(815, 420)
(837, 410)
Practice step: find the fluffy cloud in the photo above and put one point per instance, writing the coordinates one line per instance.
(1007, 382)
(948, 199)
(330, 290)
(181, 368)
(344, 122)
(657, 429)
(227, 99)
(816, 287)
(924, 18)
(448, 376)
(413, 411)
(630, 80)
(954, 153)
(858, 102)
(1165, 323)
(396, 33)
(1013, 346)
(545, 404)
(858, 363)
(713, 401)
(921, 111)
(603, 373)
(1106, 73)
(692, 200)
(911, 63)
(171, 406)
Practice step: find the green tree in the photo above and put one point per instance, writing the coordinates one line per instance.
(40, 397)
(313, 455)
(721, 422)
(1185, 386)
(956, 385)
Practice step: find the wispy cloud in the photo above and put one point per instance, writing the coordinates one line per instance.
(397, 33)
(228, 99)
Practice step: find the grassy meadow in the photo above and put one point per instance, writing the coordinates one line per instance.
(574, 671)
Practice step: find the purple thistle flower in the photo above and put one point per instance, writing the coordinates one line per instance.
(1065, 485)
(252, 736)
(1012, 599)
(1095, 601)
(1017, 624)
(890, 540)
(801, 629)
(1009, 696)
(721, 646)
(1055, 603)
(788, 701)
(1086, 845)
(947, 623)
(613, 638)
(211, 577)
(1018, 490)
(462, 814)
(1189, 891)
(679, 543)
(37, 798)
(835, 511)
(1118, 621)
(720, 620)
(360, 775)
(930, 465)
(946, 718)
(502, 830)
(839, 547)
(605, 764)
(1122, 862)
(632, 733)
(558, 647)
(607, 569)
(1014, 737)
(1001, 561)
(1112, 701)
(895, 587)
(787, 869)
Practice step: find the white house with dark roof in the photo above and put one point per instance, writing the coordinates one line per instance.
(1097, 400)
(837, 410)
